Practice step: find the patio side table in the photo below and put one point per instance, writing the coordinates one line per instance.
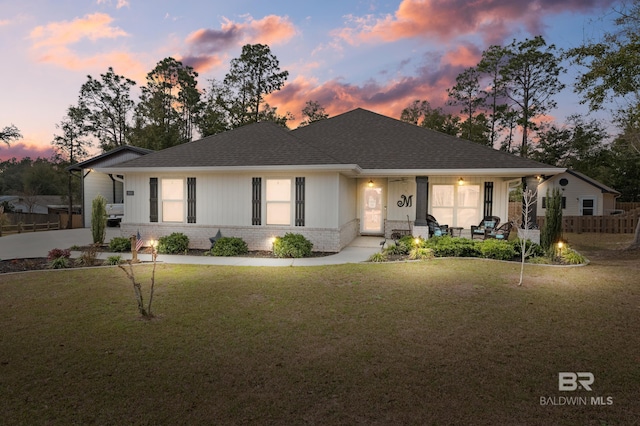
(455, 231)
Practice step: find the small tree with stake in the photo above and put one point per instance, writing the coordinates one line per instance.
(526, 250)
(137, 288)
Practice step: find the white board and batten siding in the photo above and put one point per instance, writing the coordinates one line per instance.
(225, 200)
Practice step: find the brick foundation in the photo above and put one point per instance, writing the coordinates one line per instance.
(256, 237)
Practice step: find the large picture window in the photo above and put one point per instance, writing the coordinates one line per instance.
(172, 200)
(278, 201)
(456, 205)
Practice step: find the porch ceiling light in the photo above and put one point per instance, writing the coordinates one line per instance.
(460, 181)
(370, 183)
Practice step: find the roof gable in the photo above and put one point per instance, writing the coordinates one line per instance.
(112, 157)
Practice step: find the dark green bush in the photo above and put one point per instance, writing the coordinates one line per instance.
(402, 247)
(173, 244)
(447, 246)
(229, 246)
(571, 257)
(533, 249)
(120, 244)
(292, 245)
(497, 249)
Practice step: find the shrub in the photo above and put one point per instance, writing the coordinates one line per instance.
(378, 257)
(113, 260)
(497, 249)
(57, 253)
(447, 246)
(551, 232)
(88, 257)
(421, 253)
(571, 257)
(59, 263)
(120, 244)
(403, 246)
(173, 244)
(98, 219)
(534, 250)
(229, 246)
(291, 245)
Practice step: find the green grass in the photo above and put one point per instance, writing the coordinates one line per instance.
(444, 341)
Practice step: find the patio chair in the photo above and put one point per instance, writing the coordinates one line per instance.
(502, 232)
(488, 224)
(435, 229)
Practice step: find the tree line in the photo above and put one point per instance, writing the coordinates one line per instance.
(501, 102)
(512, 88)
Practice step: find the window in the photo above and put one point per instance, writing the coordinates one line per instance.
(172, 200)
(278, 199)
(456, 205)
(544, 202)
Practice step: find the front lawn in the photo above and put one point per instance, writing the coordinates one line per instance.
(444, 341)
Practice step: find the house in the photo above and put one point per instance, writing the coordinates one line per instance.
(358, 173)
(109, 185)
(581, 195)
(36, 204)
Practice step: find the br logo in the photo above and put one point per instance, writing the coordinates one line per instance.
(569, 382)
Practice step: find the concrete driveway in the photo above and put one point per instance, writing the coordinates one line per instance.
(38, 244)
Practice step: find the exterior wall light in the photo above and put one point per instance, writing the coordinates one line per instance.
(460, 181)
(370, 183)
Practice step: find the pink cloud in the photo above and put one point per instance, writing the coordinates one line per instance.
(93, 27)
(22, 149)
(448, 19)
(53, 43)
(388, 98)
(206, 45)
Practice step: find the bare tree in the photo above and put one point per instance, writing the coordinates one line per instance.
(528, 200)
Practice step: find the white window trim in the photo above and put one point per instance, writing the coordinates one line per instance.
(181, 201)
(278, 204)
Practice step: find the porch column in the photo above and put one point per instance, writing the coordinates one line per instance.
(422, 198)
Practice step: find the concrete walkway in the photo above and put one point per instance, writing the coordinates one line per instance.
(38, 244)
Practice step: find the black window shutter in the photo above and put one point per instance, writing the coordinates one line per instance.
(299, 201)
(153, 199)
(488, 199)
(256, 202)
(191, 200)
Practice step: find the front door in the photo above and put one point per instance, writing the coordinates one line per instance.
(372, 212)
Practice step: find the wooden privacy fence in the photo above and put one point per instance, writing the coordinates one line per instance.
(615, 224)
(28, 227)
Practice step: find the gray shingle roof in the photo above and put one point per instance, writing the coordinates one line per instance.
(375, 141)
(361, 137)
(258, 144)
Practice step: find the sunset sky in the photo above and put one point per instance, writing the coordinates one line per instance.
(375, 54)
